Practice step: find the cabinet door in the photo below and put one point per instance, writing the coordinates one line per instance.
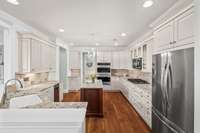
(35, 55)
(52, 57)
(25, 55)
(107, 56)
(45, 57)
(100, 57)
(164, 37)
(184, 29)
(122, 60)
(115, 60)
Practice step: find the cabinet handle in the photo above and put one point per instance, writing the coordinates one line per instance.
(174, 42)
(171, 43)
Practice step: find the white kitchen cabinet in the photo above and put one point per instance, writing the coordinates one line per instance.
(139, 98)
(115, 60)
(75, 60)
(100, 56)
(115, 83)
(177, 32)
(147, 55)
(121, 60)
(104, 56)
(25, 47)
(184, 29)
(45, 59)
(52, 56)
(36, 56)
(107, 56)
(164, 36)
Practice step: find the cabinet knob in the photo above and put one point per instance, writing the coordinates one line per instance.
(174, 42)
(171, 43)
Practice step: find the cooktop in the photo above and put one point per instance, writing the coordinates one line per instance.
(138, 81)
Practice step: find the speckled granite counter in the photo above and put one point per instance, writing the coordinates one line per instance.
(144, 87)
(45, 91)
(97, 84)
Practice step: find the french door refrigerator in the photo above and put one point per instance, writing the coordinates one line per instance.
(173, 92)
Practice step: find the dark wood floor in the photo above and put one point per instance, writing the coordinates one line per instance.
(119, 116)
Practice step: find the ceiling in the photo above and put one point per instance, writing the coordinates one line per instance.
(88, 21)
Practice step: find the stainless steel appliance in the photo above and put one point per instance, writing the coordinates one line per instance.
(173, 92)
(137, 63)
(104, 72)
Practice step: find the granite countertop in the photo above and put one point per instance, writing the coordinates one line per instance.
(44, 91)
(145, 87)
(59, 105)
(97, 84)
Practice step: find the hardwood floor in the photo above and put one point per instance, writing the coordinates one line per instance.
(119, 115)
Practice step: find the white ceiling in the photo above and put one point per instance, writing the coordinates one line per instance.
(105, 18)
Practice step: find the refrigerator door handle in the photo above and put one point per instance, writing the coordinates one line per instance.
(163, 87)
(168, 82)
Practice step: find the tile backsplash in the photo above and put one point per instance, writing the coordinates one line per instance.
(133, 74)
(32, 78)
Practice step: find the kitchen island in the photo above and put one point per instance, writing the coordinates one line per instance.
(45, 116)
(93, 94)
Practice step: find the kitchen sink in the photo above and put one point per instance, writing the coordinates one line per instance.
(138, 81)
(23, 101)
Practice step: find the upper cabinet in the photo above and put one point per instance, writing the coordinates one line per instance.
(115, 64)
(104, 56)
(184, 29)
(164, 36)
(36, 56)
(178, 31)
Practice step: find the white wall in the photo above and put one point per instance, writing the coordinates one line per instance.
(197, 69)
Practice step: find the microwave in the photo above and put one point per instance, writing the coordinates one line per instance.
(137, 63)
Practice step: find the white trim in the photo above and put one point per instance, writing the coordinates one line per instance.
(192, 45)
(175, 6)
(37, 38)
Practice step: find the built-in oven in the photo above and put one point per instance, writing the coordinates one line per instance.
(103, 70)
(137, 63)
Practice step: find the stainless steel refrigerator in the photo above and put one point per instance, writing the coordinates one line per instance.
(173, 92)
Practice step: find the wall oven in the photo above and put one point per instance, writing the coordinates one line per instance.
(104, 72)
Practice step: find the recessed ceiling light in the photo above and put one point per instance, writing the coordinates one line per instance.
(123, 34)
(97, 44)
(14, 2)
(148, 3)
(116, 44)
(61, 30)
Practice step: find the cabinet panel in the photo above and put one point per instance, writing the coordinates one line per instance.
(25, 55)
(35, 55)
(164, 37)
(53, 58)
(115, 60)
(107, 56)
(100, 56)
(184, 29)
(45, 58)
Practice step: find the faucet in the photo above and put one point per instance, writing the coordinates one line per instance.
(6, 87)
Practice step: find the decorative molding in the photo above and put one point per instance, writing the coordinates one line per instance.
(169, 15)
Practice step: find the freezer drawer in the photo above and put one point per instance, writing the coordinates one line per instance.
(160, 126)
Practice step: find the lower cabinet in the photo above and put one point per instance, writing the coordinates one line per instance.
(139, 98)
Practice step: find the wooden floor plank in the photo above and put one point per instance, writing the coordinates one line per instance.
(119, 115)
